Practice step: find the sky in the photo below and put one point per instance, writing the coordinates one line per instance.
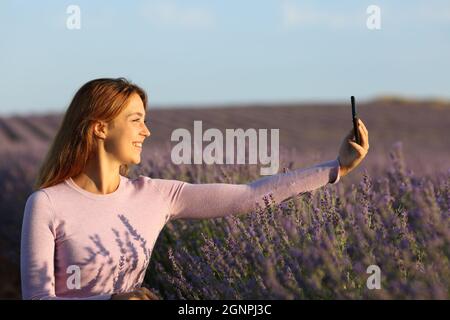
(186, 53)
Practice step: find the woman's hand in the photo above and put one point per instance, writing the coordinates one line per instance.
(351, 153)
(137, 294)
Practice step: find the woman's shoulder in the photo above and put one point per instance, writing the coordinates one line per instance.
(49, 191)
(39, 205)
(40, 195)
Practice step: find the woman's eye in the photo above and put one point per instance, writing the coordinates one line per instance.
(145, 121)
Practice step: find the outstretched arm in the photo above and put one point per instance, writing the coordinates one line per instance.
(199, 201)
(212, 200)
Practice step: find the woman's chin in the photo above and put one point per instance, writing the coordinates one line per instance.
(134, 161)
(137, 160)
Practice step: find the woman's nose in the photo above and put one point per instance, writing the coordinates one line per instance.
(147, 131)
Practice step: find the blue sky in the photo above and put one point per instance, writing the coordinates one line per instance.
(223, 52)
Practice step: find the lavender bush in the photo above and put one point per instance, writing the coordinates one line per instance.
(317, 245)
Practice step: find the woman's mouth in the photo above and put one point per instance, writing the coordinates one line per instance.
(138, 145)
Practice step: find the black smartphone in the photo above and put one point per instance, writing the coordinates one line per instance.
(355, 120)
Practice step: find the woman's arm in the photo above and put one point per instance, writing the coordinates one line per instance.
(200, 201)
(37, 251)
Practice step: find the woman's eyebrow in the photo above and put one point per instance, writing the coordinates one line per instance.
(138, 113)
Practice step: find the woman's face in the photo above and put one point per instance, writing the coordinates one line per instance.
(126, 133)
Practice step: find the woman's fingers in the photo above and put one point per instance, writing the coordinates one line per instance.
(363, 126)
(149, 294)
(138, 294)
(364, 139)
(361, 151)
(144, 293)
(152, 296)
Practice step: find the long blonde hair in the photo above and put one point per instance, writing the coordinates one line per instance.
(97, 100)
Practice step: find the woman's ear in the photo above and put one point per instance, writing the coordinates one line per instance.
(100, 129)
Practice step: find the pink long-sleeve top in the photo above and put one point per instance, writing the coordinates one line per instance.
(77, 244)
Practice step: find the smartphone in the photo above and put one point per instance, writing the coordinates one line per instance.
(355, 120)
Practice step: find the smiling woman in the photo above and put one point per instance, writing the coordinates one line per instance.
(103, 121)
(119, 143)
(88, 230)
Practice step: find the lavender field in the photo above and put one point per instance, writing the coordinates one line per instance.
(392, 211)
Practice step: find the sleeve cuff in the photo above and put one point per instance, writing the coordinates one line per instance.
(334, 172)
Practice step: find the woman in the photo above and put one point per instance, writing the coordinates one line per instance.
(88, 231)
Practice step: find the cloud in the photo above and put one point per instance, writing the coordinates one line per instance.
(171, 14)
(294, 15)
